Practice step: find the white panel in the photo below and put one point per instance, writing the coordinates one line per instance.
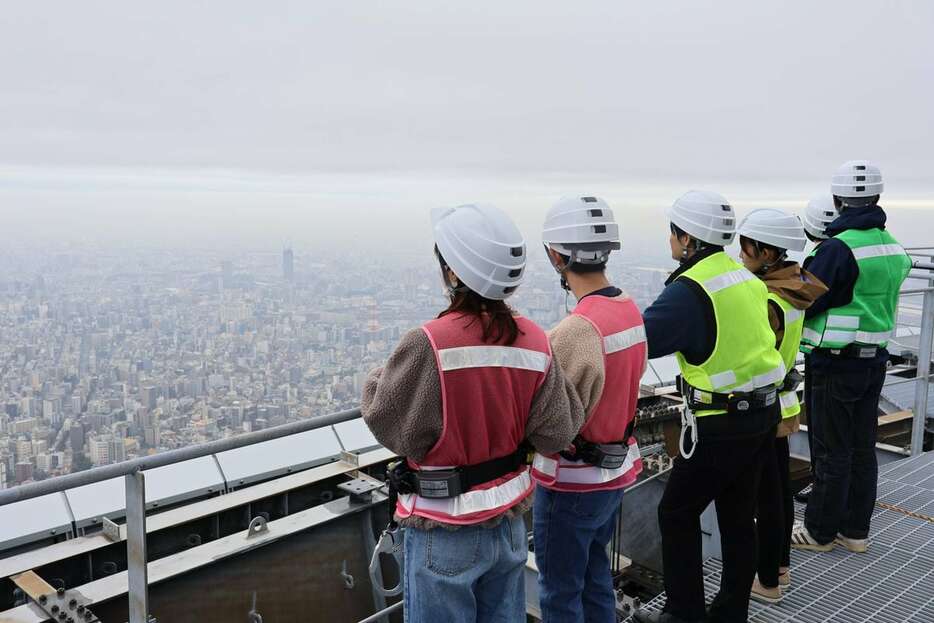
(279, 456)
(666, 368)
(164, 485)
(650, 378)
(34, 519)
(355, 435)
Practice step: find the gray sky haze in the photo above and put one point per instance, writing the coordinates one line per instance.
(291, 119)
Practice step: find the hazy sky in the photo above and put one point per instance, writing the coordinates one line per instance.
(293, 119)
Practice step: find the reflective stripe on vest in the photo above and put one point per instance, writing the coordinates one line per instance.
(788, 349)
(869, 318)
(465, 508)
(492, 356)
(564, 472)
(619, 324)
(475, 429)
(744, 357)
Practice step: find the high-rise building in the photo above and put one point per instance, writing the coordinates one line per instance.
(288, 264)
(99, 450)
(226, 274)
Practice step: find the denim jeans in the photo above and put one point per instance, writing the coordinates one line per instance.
(844, 416)
(571, 532)
(470, 575)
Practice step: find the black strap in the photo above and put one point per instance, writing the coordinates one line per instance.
(733, 401)
(853, 351)
(404, 479)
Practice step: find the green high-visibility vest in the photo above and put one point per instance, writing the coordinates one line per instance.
(744, 356)
(868, 319)
(788, 349)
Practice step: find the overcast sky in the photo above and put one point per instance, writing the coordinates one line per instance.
(283, 112)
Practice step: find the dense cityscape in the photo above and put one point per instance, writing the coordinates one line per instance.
(106, 357)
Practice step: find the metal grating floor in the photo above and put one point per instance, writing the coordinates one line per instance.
(893, 582)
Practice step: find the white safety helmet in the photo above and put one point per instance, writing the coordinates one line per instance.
(819, 213)
(774, 227)
(857, 178)
(706, 216)
(582, 228)
(482, 246)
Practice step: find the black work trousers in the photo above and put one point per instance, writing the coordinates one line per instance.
(724, 469)
(844, 414)
(775, 514)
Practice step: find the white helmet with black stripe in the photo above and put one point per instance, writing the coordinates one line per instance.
(774, 227)
(582, 228)
(856, 179)
(482, 246)
(706, 216)
(819, 213)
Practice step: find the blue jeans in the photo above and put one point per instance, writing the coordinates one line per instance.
(469, 575)
(571, 533)
(844, 415)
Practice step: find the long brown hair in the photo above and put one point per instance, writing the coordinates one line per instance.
(499, 325)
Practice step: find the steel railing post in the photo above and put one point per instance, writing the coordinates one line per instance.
(137, 573)
(923, 374)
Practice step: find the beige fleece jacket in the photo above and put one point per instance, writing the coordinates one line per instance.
(800, 288)
(578, 349)
(401, 404)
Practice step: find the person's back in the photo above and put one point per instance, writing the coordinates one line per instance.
(713, 316)
(458, 398)
(766, 235)
(845, 335)
(601, 348)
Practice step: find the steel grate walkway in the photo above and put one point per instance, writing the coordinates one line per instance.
(893, 582)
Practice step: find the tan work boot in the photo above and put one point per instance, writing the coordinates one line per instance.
(784, 577)
(765, 594)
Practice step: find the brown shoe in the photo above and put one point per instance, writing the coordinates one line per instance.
(765, 594)
(784, 577)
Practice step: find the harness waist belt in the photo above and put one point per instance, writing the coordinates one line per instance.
(450, 483)
(732, 402)
(605, 455)
(853, 351)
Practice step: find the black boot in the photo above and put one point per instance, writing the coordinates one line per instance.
(643, 616)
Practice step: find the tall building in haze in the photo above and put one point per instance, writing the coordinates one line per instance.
(288, 264)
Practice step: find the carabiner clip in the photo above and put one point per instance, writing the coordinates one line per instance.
(390, 542)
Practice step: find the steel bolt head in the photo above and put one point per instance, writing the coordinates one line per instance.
(54, 608)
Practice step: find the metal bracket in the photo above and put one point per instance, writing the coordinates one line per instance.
(58, 604)
(360, 489)
(257, 526)
(111, 530)
(67, 607)
(350, 458)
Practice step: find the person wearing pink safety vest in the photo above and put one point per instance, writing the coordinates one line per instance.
(601, 348)
(461, 399)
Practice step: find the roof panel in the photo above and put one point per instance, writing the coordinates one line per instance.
(355, 435)
(279, 456)
(164, 485)
(34, 519)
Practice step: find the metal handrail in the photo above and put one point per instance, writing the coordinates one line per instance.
(126, 468)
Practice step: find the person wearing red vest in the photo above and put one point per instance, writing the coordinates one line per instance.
(601, 348)
(460, 398)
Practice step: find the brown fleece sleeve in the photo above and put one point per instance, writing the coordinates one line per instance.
(557, 414)
(578, 349)
(402, 400)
